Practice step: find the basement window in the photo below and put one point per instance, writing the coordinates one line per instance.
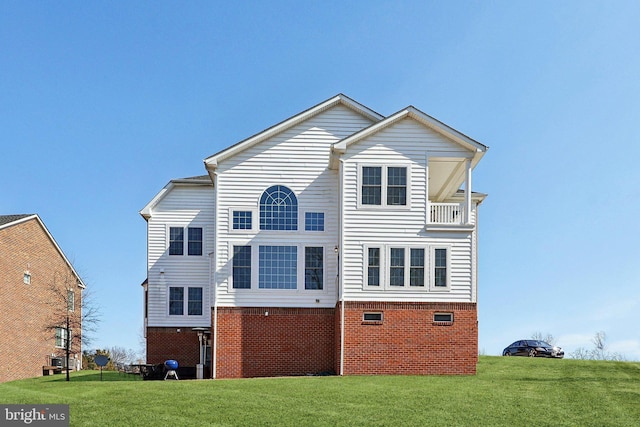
(372, 317)
(443, 318)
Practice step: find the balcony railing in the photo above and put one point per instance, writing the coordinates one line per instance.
(447, 213)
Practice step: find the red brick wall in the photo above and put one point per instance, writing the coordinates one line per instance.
(25, 345)
(167, 343)
(287, 341)
(407, 341)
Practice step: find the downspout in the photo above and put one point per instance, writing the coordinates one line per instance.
(212, 280)
(340, 269)
(215, 316)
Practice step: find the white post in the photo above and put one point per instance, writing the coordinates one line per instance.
(427, 203)
(467, 194)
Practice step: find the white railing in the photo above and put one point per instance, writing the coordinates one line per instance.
(447, 213)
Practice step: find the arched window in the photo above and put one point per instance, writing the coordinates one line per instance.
(278, 209)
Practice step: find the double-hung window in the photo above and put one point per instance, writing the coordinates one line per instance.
(61, 337)
(373, 266)
(384, 186)
(177, 241)
(441, 270)
(194, 302)
(241, 267)
(313, 267)
(176, 301)
(407, 267)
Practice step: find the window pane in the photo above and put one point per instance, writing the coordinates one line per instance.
(60, 337)
(176, 241)
(371, 185)
(396, 270)
(71, 300)
(314, 221)
(195, 241)
(313, 267)
(195, 302)
(396, 186)
(440, 273)
(242, 220)
(416, 274)
(373, 268)
(278, 209)
(242, 267)
(278, 267)
(176, 301)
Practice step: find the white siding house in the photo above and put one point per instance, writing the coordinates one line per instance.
(334, 215)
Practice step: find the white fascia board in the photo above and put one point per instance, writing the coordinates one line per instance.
(211, 162)
(146, 211)
(448, 132)
(18, 221)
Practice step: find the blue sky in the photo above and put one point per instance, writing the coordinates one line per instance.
(102, 103)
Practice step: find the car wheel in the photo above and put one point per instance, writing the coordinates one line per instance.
(532, 353)
(506, 353)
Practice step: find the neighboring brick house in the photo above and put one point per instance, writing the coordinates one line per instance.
(34, 276)
(337, 241)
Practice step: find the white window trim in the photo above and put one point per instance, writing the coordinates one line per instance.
(185, 302)
(383, 190)
(365, 267)
(385, 268)
(303, 217)
(432, 261)
(255, 266)
(185, 243)
(63, 337)
(407, 268)
(254, 220)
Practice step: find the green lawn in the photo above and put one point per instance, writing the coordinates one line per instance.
(506, 391)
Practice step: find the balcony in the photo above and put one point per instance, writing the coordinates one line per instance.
(448, 214)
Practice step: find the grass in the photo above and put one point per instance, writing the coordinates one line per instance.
(506, 391)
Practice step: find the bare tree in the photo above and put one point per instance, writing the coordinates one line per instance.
(599, 350)
(73, 316)
(120, 356)
(538, 336)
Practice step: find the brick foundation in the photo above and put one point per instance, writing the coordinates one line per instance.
(408, 341)
(287, 341)
(167, 343)
(301, 341)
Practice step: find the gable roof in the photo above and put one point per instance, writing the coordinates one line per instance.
(446, 131)
(211, 162)
(200, 180)
(7, 221)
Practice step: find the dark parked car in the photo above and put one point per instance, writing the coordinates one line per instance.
(533, 348)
